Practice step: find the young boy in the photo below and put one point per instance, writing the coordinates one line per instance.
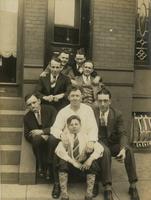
(75, 156)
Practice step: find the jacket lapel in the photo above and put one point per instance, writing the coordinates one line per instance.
(110, 122)
(47, 82)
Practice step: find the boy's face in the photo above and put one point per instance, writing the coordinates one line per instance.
(74, 126)
(55, 68)
(87, 68)
(75, 98)
(80, 58)
(64, 57)
(33, 104)
(104, 102)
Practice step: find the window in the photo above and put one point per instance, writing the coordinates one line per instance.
(143, 33)
(8, 40)
(68, 27)
(67, 21)
(141, 132)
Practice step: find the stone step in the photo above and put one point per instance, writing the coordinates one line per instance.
(11, 118)
(9, 174)
(10, 154)
(10, 136)
(11, 103)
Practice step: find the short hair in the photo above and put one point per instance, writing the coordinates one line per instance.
(88, 61)
(66, 51)
(29, 95)
(73, 117)
(81, 51)
(56, 59)
(74, 88)
(105, 91)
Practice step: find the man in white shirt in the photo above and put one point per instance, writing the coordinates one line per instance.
(88, 126)
(74, 155)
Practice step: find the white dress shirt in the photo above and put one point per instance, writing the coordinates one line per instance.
(88, 121)
(86, 79)
(53, 80)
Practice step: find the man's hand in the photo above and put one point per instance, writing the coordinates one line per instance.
(48, 98)
(76, 164)
(45, 137)
(58, 97)
(65, 140)
(36, 132)
(90, 147)
(96, 80)
(86, 165)
(43, 74)
(121, 156)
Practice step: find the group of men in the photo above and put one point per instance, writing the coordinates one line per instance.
(71, 123)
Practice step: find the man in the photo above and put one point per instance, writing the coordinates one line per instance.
(88, 126)
(112, 133)
(37, 123)
(75, 157)
(86, 81)
(52, 88)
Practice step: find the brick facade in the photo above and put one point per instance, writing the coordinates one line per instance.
(113, 33)
(34, 31)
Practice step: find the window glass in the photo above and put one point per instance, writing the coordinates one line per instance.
(67, 21)
(8, 39)
(143, 32)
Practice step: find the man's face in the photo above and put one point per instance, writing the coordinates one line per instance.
(74, 126)
(33, 103)
(64, 57)
(104, 102)
(80, 58)
(75, 98)
(87, 68)
(55, 67)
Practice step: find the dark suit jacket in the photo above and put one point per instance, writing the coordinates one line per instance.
(48, 115)
(115, 127)
(43, 88)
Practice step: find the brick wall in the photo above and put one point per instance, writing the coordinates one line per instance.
(113, 33)
(34, 31)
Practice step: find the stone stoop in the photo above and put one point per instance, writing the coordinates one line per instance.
(11, 129)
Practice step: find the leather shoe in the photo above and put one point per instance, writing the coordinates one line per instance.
(64, 198)
(56, 191)
(95, 189)
(88, 198)
(108, 195)
(133, 193)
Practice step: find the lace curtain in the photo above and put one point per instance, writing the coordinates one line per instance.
(8, 27)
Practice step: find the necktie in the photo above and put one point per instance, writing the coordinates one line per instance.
(102, 119)
(76, 153)
(38, 117)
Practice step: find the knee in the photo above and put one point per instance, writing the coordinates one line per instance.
(63, 166)
(129, 151)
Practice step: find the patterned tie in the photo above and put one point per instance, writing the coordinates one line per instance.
(76, 152)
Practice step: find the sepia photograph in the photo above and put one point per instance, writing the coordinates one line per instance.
(75, 99)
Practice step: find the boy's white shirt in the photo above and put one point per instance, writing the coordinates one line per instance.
(64, 153)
